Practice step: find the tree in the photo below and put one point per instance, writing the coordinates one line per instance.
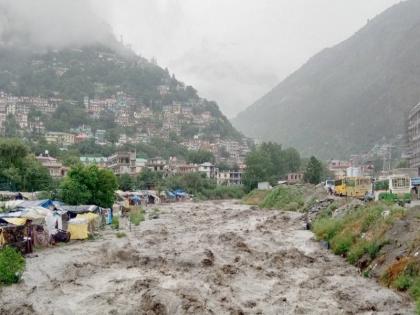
(125, 182)
(292, 159)
(313, 171)
(19, 170)
(200, 156)
(89, 185)
(148, 179)
(259, 169)
(11, 128)
(269, 162)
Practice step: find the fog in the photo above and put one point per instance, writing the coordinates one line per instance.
(232, 51)
(51, 23)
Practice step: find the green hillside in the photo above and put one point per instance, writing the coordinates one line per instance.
(99, 72)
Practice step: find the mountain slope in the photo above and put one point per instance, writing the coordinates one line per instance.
(348, 97)
(100, 72)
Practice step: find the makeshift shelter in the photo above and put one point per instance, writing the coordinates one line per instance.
(93, 219)
(56, 220)
(18, 236)
(37, 214)
(45, 203)
(78, 228)
(135, 200)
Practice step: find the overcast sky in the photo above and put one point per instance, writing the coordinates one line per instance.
(234, 51)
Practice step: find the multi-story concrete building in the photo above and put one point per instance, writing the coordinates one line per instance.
(209, 169)
(123, 163)
(229, 178)
(414, 136)
(157, 164)
(60, 138)
(56, 168)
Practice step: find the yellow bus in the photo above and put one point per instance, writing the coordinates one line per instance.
(339, 187)
(357, 187)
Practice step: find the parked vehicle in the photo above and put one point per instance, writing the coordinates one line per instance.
(357, 187)
(399, 190)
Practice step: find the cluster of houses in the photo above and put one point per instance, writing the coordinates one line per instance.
(21, 108)
(170, 121)
(125, 162)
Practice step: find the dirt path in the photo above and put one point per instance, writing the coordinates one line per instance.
(208, 258)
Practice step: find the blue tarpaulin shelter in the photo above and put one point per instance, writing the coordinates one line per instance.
(46, 203)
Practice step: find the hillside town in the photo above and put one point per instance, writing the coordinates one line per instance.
(185, 123)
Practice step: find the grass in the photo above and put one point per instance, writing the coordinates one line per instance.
(360, 232)
(223, 192)
(12, 265)
(285, 198)
(327, 228)
(255, 197)
(136, 216)
(404, 275)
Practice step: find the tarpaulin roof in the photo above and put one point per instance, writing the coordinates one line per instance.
(170, 194)
(15, 221)
(80, 209)
(46, 203)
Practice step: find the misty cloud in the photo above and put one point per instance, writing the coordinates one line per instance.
(234, 51)
(51, 23)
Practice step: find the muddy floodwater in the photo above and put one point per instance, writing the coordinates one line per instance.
(199, 258)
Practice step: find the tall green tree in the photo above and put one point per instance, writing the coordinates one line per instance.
(269, 162)
(313, 172)
(19, 170)
(200, 156)
(89, 185)
(11, 128)
(292, 159)
(259, 169)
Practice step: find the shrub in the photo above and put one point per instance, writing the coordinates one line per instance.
(136, 216)
(115, 223)
(370, 216)
(12, 265)
(373, 249)
(356, 252)
(403, 283)
(293, 206)
(326, 228)
(415, 288)
(341, 243)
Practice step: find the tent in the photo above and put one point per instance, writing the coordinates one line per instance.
(93, 219)
(78, 228)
